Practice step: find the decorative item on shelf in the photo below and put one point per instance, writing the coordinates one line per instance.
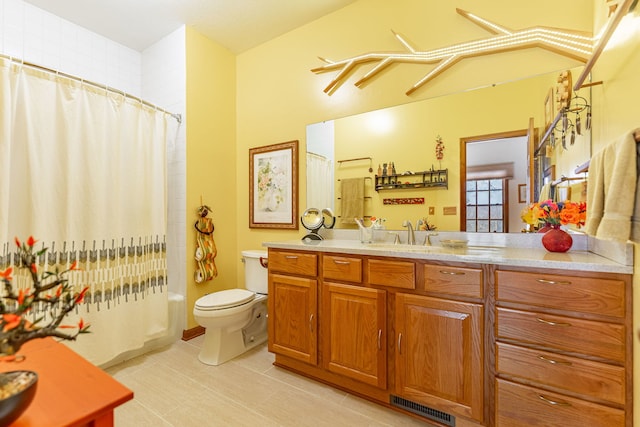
(551, 216)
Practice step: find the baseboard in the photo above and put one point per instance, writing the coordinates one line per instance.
(188, 334)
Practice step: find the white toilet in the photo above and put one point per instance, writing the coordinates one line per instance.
(235, 319)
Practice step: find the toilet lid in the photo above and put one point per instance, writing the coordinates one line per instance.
(224, 299)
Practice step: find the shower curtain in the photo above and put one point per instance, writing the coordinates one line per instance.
(83, 170)
(319, 181)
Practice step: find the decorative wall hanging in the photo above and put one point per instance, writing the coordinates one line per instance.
(404, 201)
(439, 149)
(573, 44)
(273, 186)
(205, 246)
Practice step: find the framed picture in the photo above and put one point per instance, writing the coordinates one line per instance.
(273, 186)
(549, 109)
(522, 193)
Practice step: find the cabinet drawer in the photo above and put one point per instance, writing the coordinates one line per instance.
(302, 263)
(453, 280)
(398, 274)
(600, 339)
(582, 294)
(519, 405)
(342, 268)
(595, 379)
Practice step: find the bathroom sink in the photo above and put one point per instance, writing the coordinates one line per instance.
(406, 248)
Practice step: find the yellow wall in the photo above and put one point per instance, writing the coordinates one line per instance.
(617, 113)
(278, 95)
(211, 159)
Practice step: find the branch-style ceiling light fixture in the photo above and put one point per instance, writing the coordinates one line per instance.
(577, 45)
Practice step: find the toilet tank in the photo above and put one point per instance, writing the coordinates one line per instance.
(255, 274)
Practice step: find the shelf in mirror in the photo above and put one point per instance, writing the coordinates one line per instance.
(408, 180)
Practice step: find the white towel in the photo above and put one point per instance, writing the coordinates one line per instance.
(611, 190)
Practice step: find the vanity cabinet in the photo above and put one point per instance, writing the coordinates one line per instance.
(563, 349)
(439, 354)
(354, 323)
(439, 351)
(457, 343)
(293, 305)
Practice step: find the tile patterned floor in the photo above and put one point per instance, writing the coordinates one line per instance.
(172, 388)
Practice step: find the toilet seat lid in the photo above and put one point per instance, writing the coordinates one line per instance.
(224, 299)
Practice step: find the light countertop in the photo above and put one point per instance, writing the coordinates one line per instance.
(516, 254)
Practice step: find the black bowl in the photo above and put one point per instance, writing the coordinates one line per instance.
(13, 405)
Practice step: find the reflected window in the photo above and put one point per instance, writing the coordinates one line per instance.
(486, 205)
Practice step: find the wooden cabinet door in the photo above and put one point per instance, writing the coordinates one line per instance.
(354, 332)
(293, 319)
(439, 354)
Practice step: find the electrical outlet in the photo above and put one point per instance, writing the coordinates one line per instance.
(432, 210)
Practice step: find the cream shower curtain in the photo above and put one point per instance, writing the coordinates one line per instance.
(83, 170)
(319, 181)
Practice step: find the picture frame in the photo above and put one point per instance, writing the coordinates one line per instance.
(522, 193)
(273, 186)
(549, 109)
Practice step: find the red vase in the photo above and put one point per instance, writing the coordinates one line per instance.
(545, 229)
(557, 240)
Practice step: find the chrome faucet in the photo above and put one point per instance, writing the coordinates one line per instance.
(411, 237)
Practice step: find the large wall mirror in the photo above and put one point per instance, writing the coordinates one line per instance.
(485, 136)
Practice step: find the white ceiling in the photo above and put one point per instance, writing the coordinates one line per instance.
(236, 24)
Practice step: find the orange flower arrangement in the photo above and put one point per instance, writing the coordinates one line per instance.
(550, 213)
(51, 294)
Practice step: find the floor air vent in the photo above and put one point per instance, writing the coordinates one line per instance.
(424, 411)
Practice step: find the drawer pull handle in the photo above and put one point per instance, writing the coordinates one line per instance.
(337, 261)
(399, 343)
(452, 273)
(548, 322)
(554, 362)
(311, 322)
(379, 339)
(291, 257)
(554, 402)
(553, 282)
